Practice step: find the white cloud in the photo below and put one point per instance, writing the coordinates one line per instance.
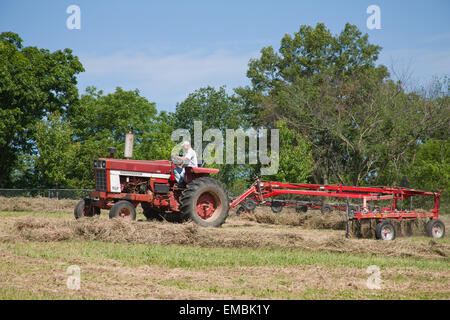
(165, 79)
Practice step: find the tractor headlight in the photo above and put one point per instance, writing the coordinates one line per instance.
(100, 164)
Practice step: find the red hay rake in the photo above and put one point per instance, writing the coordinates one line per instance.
(261, 193)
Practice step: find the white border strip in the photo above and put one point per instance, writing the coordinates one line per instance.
(140, 174)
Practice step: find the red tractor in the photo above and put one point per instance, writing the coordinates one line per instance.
(121, 185)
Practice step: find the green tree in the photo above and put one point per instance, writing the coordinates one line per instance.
(106, 119)
(100, 121)
(329, 89)
(426, 167)
(24, 173)
(56, 153)
(430, 168)
(295, 158)
(216, 110)
(33, 82)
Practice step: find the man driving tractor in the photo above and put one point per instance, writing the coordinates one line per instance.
(189, 159)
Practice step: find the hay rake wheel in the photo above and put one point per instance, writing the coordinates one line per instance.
(301, 207)
(276, 206)
(435, 228)
(385, 230)
(240, 211)
(249, 205)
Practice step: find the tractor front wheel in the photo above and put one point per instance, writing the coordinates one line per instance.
(205, 202)
(83, 209)
(123, 210)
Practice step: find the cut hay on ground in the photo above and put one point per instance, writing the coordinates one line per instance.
(36, 204)
(235, 235)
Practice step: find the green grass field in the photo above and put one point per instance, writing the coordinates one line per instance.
(298, 264)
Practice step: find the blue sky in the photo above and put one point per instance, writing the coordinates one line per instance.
(168, 49)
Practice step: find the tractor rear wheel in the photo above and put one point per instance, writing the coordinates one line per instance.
(385, 230)
(83, 209)
(123, 210)
(435, 228)
(205, 202)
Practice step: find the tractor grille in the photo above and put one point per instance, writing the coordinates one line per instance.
(100, 180)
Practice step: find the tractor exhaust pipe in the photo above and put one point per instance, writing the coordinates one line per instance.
(129, 140)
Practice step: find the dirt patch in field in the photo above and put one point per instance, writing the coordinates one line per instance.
(251, 235)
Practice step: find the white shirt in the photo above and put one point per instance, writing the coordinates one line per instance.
(191, 158)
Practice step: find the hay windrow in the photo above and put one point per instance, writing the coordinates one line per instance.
(39, 204)
(100, 229)
(36, 204)
(164, 233)
(261, 229)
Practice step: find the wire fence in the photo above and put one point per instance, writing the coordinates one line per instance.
(46, 193)
(75, 194)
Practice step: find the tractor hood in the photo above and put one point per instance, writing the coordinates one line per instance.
(147, 166)
(153, 166)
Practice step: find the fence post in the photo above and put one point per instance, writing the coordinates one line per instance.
(347, 215)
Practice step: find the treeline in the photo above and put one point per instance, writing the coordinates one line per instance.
(342, 119)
